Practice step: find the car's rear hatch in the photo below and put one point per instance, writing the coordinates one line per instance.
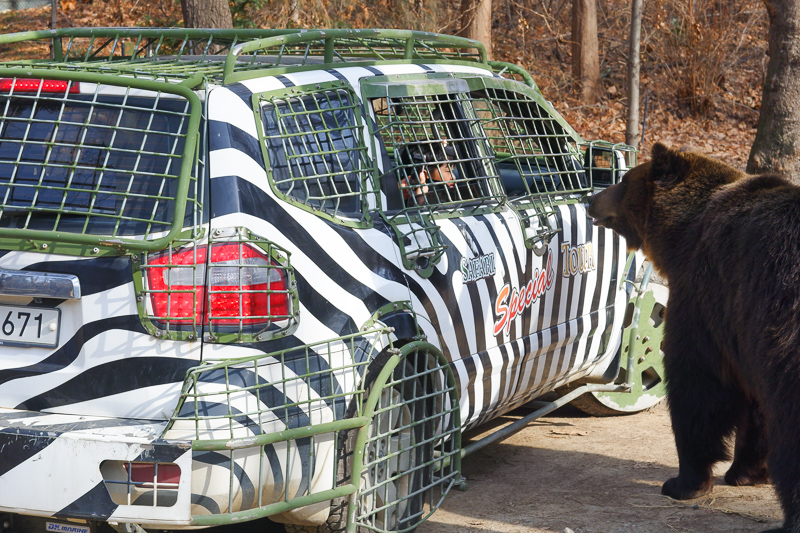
(94, 172)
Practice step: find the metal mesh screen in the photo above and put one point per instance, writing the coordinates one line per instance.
(409, 455)
(536, 158)
(281, 430)
(316, 151)
(90, 164)
(294, 401)
(526, 136)
(440, 156)
(237, 287)
(187, 53)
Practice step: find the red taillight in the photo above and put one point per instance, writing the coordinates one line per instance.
(152, 473)
(35, 85)
(243, 286)
(244, 283)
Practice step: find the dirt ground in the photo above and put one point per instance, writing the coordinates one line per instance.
(571, 473)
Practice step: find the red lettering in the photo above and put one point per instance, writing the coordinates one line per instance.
(506, 309)
(500, 309)
(513, 307)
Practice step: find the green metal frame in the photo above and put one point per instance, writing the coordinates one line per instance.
(160, 327)
(190, 394)
(450, 458)
(641, 341)
(78, 243)
(367, 169)
(176, 60)
(228, 56)
(525, 131)
(628, 152)
(418, 235)
(447, 439)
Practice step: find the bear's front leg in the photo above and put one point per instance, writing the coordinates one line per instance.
(687, 486)
(702, 408)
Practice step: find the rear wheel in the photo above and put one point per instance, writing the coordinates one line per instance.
(396, 462)
(393, 473)
(649, 386)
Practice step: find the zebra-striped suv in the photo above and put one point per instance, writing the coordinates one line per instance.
(278, 273)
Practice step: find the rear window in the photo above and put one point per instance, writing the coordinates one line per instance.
(90, 164)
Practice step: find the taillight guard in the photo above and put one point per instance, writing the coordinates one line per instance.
(237, 287)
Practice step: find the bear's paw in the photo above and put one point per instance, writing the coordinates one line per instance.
(739, 476)
(679, 489)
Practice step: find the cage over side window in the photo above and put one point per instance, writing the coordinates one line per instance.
(440, 157)
(316, 153)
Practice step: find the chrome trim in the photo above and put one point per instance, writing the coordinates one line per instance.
(39, 284)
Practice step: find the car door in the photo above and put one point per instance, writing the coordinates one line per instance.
(574, 329)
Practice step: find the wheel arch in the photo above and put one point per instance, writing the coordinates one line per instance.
(412, 364)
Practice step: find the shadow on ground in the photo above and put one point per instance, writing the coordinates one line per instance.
(592, 475)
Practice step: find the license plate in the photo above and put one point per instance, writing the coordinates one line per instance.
(29, 326)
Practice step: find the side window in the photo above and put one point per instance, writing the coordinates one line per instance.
(535, 154)
(439, 156)
(315, 151)
(537, 157)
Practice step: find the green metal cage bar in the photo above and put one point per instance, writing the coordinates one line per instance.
(606, 162)
(190, 55)
(362, 511)
(312, 138)
(427, 379)
(226, 437)
(153, 280)
(26, 239)
(537, 153)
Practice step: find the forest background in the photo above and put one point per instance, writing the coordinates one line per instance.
(703, 62)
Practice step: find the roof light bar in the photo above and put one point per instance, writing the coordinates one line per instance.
(35, 85)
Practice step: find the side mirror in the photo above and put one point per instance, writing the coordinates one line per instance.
(606, 164)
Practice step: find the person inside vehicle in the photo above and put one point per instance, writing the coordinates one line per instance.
(427, 166)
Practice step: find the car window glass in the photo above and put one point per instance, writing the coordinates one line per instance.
(315, 150)
(96, 164)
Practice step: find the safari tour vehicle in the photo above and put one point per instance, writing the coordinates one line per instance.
(278, 273)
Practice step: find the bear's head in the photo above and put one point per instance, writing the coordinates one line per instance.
(656, 202)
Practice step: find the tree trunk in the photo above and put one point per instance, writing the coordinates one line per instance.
(777, 144)
(632, 129)
(585, 50)
(476, 22)
(206, 14)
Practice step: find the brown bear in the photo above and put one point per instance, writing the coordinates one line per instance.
(728, 244)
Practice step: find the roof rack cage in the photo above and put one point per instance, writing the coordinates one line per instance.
(190, 55)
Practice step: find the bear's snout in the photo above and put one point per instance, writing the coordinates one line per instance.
(604, 205)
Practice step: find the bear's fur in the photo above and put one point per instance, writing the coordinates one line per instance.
(729, 245)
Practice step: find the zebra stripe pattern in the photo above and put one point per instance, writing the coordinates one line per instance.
(540, 319)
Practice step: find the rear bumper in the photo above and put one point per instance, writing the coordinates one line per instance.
(58, 465)
(253, 437)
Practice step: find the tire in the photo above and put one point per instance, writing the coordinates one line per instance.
(395, 468)
(649, 386)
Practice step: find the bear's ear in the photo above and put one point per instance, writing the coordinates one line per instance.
(668, 167)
